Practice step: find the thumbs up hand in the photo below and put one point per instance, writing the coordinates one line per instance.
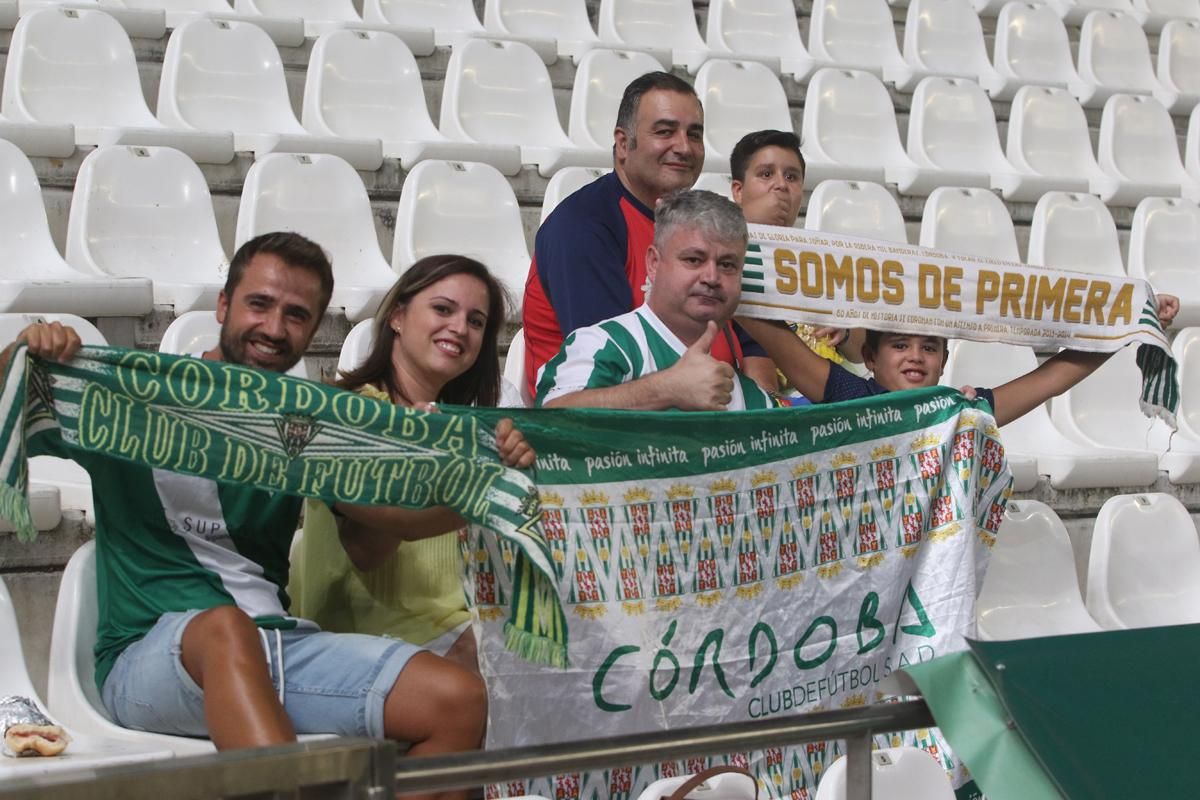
(699, 381)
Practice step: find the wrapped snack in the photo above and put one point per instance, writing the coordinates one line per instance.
(27, 732)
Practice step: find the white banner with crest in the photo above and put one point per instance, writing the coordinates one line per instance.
(730, 567)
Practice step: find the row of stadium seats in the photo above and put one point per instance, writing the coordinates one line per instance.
(223, 89)
(938, 34)
(142, 229)
(850, 131)
(1143, 570)
(142, 232)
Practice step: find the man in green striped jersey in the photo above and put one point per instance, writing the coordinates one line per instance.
(195, 638)
(657, 356)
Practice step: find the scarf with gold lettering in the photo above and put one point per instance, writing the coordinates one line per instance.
(843, 281)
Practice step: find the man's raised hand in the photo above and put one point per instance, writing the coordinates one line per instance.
(701, 382)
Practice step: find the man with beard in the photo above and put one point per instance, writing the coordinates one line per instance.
(659, 355)
(194, 636)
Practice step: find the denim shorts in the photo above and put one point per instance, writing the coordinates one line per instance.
(333, 682)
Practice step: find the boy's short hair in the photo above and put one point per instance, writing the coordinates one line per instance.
(872, 337)
(752, 142)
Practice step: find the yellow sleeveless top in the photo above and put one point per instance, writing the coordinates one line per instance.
(416, 595)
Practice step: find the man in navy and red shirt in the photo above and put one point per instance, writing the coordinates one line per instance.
(589, 259)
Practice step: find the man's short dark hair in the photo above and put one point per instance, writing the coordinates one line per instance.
(751, 143)
(292, 249)
(651, 81)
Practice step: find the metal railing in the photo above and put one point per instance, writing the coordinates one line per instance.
(370, 770)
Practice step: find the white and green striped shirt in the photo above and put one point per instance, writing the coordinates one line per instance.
(623, 349)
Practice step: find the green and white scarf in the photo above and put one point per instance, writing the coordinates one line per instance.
(231, 423)
(844, 281)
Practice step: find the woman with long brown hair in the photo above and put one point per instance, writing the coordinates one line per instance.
(393, 571)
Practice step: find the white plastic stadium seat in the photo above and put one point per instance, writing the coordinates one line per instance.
(659, 24)
(1068, 464)
(970, 221)
(318, 15)
(452, 22)
(857, 34)
(1114, 56)
(219, 74)
(849, 129)
(1186, 349)
(85, 751)
(941, 37)
(487, 81)
(198, 331)
(514, 367)
(897, 773)
(453, 207)
(952, 138)
(1179, 66)
(565, 183)
(720, 787)
(366, 85)
(1144, 569)
(1103, 410)
(146, 212)
(1031, 48)
(36, 278)
(738, 97)
(1163, 239)
(855, 208)
(764, 30)
(562, 21)
(356, 346)
(1074, 231)
(1031, 588)
(1191, 159)
(45, 511)
(285, 32)
(1049, 147)
(77, 66)
(1074, 12)
(322, 16)
(322, 198)
(71, 689)
(1154, 14)
(600, 81)
(56, 140)
(1138, 152)
(716, 182)
(144, 23)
